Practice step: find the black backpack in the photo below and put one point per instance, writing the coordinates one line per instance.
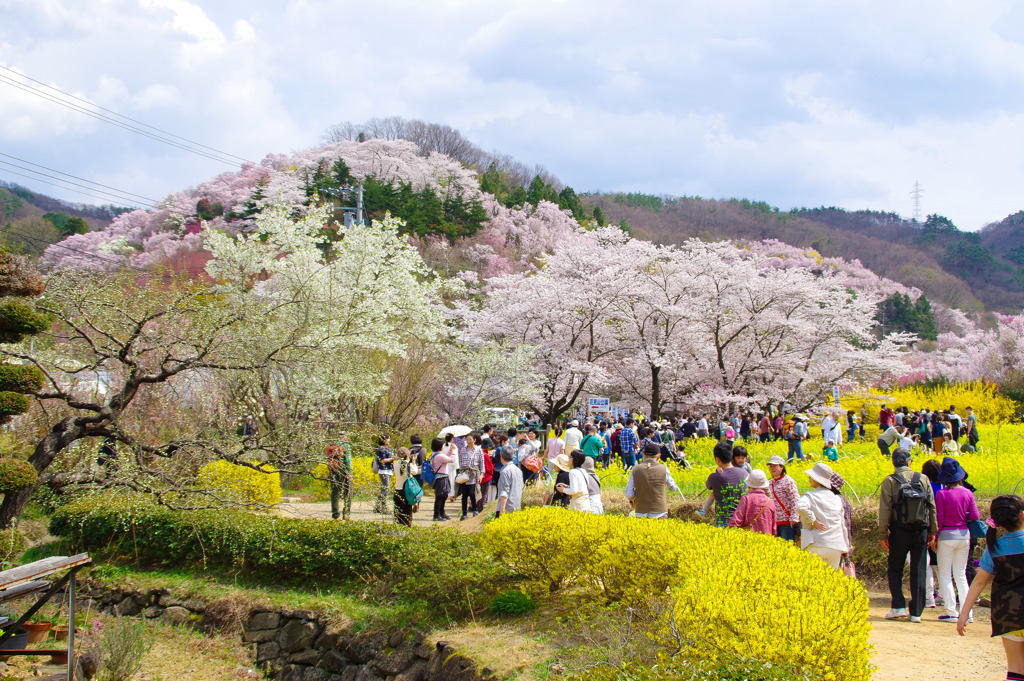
(911, 508)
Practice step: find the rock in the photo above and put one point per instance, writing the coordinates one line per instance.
(300, 614)
(265, 652)
(424, 651)
(364, 674)
(152, 612)
(396, 638)
(327, 641)
(314, 674)
(179, 616)
(307, 656)
(296, 635)
(259, 636)
(349, 674)
(187, 603)
(335, 661)
(89, 664)
(413, 673)
(396, 662)
(335, 677)
(292, 672)
(264, 620)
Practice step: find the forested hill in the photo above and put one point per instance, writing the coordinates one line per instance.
(961, 269)
(30, 220)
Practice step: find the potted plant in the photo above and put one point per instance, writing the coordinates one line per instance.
(38, 631)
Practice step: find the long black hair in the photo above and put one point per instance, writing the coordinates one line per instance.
(1005, 511)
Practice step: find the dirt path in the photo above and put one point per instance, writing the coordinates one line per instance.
(363, 510)
(932, 649)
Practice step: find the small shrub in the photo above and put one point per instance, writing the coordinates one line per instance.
(241, 483)
(123, 646)
(12, 544)
(12, 404)
(724, 668)
(512, 603)
(16, 474)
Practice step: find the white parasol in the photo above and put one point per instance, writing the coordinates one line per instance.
(457, 431)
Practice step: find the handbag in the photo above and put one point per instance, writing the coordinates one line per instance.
(848, 566)
(463, 476)
(751, 525)
(977, 528)
(533, 463)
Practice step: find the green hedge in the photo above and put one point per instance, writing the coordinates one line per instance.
(16, 474)
(430, 564)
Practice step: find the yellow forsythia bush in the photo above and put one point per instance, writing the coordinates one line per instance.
(735, 590)
(241, 483)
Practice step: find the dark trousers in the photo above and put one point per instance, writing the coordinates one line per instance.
(468, 498)
(903, 541)
(883, 447)
(403, 511)
(341, 489)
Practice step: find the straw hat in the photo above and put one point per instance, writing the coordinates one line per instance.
(821, 474)
(757, 480)
(564, 462)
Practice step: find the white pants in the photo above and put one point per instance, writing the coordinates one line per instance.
(952, 555)
(830, 556)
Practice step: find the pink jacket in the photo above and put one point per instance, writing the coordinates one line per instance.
(786, 496)
(749, 507)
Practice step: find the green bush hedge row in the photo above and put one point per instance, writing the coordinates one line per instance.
(416, 564)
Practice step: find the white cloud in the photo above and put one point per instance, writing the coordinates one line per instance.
(795, 103)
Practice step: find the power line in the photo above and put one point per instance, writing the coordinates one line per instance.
(54, 184)
(127, 118)
(216, 156)
(117, 196)
(54, 170)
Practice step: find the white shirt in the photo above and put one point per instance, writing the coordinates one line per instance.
(572, 438)
(822, 505)
(579, 495)
(702, 425)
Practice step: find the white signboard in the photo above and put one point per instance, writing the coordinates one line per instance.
(835, 396)
(598, 404)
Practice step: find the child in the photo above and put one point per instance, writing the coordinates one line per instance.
(1007, 594)
(739, 459)
(830, 452)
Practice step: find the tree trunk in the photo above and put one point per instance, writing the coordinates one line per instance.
(63, 433)
(655, 393)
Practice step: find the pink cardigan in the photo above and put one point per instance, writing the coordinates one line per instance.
(750, 505)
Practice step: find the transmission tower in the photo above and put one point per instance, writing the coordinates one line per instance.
(916, 193)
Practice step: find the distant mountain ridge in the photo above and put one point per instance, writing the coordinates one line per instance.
(30, 220)
(972, 271)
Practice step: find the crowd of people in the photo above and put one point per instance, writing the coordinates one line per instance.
(929, 519)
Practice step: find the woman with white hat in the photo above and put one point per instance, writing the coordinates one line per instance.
(784, 491)
(821, 514)
(563, 464)
(755, 511)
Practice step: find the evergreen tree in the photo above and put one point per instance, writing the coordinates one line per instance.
(599, 216)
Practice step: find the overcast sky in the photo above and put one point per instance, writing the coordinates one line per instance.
(794, 103)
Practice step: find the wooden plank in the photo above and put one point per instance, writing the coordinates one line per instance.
(23, 589)
(41, 568)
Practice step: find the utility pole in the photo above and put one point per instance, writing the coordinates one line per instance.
(916, 193)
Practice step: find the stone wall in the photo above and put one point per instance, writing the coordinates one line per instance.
(297, 645)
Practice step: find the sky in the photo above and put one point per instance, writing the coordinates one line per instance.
(792, 102)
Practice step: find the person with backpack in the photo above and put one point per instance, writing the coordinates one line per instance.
(439, 462)
(794, 430)
(907, 519)
(339, 473)
(419, 456)
(1003, 564)
(383, 466)
(408, 492)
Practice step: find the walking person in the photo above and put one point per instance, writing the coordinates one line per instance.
(1002, 564)
(786, 495)
(628, 443)
(471, 470)
(906, 517)
(954, 507)
(756, 510)
(440, 461)
(383, 461)
(339, 473)
(510, 485)
(851, 426)
(403, 468)
(823, 530)
(647, 484)
(797, 434)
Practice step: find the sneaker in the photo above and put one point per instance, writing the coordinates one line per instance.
(462, 517)
(896, 613)
(446, 517)
(929, 603)
(475, 514)
(915, 618)
(438, 520)
(948, 618)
